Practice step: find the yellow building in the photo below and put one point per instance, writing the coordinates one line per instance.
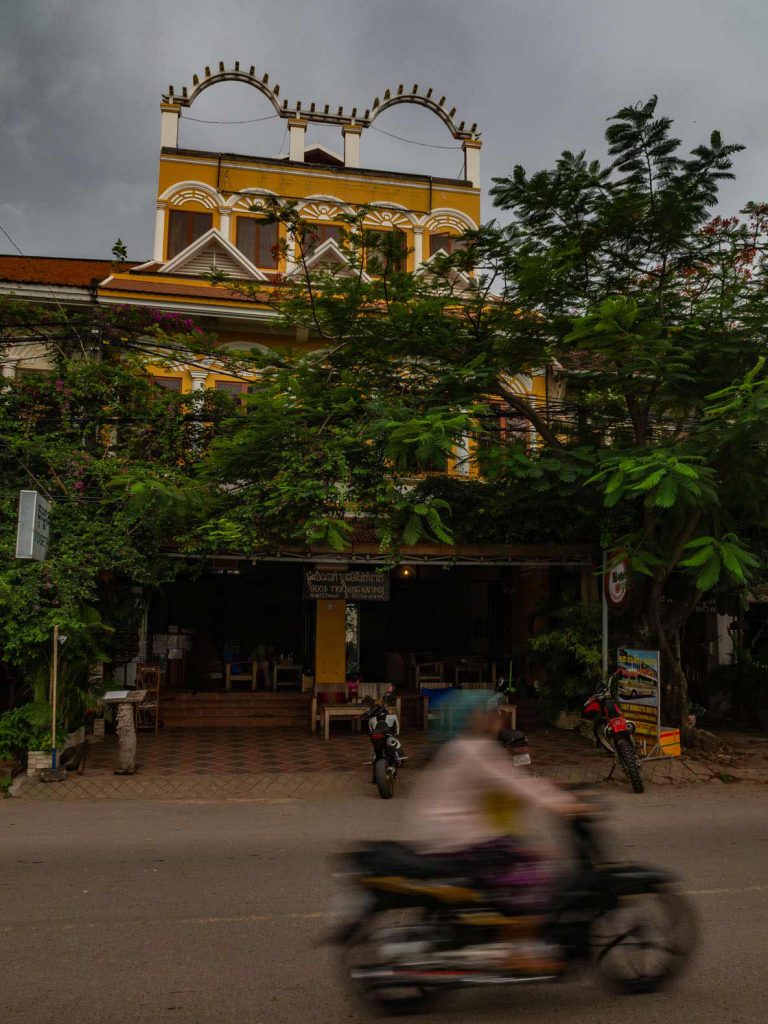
(465, 610)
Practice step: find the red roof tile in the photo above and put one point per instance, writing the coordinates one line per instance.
(158, 286)
(55, 270)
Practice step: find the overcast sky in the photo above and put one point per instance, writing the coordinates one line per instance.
(80, 84)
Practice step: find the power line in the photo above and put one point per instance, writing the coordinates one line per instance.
(413, 142)
(252, 120)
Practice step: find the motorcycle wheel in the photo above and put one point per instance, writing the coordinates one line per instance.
(385, 779)
(369, 948)
(645, 942)
(603, 737)
(629, 763)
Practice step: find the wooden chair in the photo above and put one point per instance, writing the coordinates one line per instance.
(427, 673)
(319, 690)
(426, 715)
(148, 712)
(239, 677)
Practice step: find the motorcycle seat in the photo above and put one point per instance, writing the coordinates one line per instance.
(397, 858)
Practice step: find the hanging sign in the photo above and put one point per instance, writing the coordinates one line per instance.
(343, 585)
(33, 529)
(617, 581)
(639, 689)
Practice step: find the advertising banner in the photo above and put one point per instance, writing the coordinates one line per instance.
(639, 689)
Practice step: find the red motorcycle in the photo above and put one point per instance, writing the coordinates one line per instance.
(614, 733)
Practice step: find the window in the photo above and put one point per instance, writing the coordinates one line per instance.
(317, 234)
(234, 389)
(167, 383)
(258, 241)
(385, 249)
(184, 228)
(448, 243)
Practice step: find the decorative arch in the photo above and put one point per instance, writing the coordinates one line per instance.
(315, 112)
(519, 383)
(235, 74)
(193, 192)
(445, 217)
(323, 207)
(437, 107)
(248, 197)
(388, 215)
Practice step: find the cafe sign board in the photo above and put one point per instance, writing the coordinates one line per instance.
(32, 529)
(346, 585)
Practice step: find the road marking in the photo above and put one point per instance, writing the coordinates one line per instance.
(261, 918)
(725, 892)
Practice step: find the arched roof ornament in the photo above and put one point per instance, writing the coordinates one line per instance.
(223, 74)
(320, 113)
(437, 107)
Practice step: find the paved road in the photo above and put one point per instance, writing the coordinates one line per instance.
(208, 913)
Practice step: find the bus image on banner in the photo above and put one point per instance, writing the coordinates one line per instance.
(638, 675)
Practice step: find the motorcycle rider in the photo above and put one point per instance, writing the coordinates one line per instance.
(470, 804)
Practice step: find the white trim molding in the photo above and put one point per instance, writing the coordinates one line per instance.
(213, 237)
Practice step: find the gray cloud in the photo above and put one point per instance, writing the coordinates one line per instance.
(80, 82)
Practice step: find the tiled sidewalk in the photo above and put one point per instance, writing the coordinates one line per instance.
(215, 764)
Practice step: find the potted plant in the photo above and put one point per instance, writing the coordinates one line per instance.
(695, 712)
(568, 655)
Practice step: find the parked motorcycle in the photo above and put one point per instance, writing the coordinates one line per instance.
(384, 728)
(516, 743)
(415, 926)
(614, 733)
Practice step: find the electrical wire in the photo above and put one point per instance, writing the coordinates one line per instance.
(413, 142)
(252, 120)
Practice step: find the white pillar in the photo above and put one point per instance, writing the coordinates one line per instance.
(225, 217)
(169, 125)
(199, 377)
(8, 368)
(157, 252)
(471, 149)
(290, 251)
(351, 134)
(297, 130)
(418, 247)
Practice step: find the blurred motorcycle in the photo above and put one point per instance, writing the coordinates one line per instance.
(413, 926)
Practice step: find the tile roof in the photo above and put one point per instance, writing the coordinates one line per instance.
(160, 286)
(55, 270)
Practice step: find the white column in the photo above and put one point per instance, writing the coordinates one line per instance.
(351, 134)
(297, 130)
(199, 377)
(157, 252)
(169, 125)
(290, 251)
(471, 149)
(8, 368)
(225, 216)
(418, 247)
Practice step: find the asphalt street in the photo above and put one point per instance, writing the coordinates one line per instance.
(200, 913)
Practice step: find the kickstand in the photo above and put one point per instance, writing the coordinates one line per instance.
(610, 773)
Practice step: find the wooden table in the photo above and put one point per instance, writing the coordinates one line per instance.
(508, 713)
(352, 711)
(291, 673)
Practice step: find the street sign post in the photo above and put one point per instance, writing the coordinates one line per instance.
(33, 527)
